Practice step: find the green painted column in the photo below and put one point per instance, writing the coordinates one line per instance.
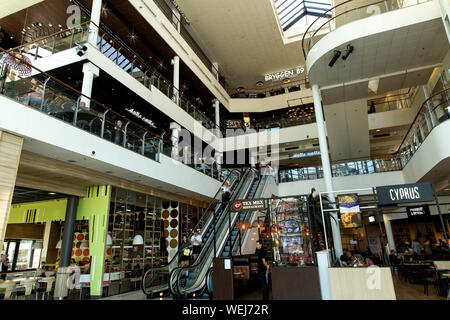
(95, 208)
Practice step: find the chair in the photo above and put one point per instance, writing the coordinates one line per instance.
(9, 286)
(48, 287)
(430, 277)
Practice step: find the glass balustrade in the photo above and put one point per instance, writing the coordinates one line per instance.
(342, 169)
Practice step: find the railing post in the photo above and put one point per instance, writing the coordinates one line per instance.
(43, 94)
(71, 38)
(143, 142)
(103, 123)
(36, 53)
(53, 44)
(124, 142)
(75, 116)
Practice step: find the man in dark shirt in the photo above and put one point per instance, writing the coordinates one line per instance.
(263, 268)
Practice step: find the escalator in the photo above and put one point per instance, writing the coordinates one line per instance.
(156, 280)
(192, 281)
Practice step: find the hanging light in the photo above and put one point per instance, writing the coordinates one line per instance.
(138, 240)
(109, 241)
(260, 84)
(37, 245)
(59, 244)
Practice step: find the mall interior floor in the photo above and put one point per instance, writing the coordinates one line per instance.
(409, 291)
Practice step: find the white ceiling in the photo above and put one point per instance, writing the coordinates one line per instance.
(244, 38)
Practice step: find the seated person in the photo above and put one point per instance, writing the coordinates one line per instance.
(395, 261)
(367, 262)
(346, 257)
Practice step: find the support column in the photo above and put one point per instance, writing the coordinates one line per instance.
(96, 12)
(326, 166)
(176, 78)
(10, 150)
(218, 155)
(445, 10)
(66, 248)
(389, 233)
(175, 127)
(90, 71)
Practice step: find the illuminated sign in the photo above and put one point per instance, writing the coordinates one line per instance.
(137, 114)
(284, 74)
(304, 154)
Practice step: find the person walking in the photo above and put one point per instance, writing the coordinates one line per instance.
(4, 266)
(263, 270)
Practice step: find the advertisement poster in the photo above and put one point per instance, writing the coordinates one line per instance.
(349, 210)
(291, 245)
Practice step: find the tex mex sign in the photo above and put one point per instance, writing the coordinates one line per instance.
(245, 205)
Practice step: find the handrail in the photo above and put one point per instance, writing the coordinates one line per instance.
(176, 256)
(319, 17)
(78, 92)
(221, 222)
(155, 72)
(332, 18)
(46, 37)
(247, 213)
(419, 113)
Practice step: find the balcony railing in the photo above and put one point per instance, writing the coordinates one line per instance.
(349, 11)
(53, 97)
(342, 169)
(118, 52)
(179, 26)
(434, 111)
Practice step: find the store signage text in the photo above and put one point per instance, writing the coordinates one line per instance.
(305, 154)
(243, 205)
(140, 116)
(405, 193)
(284, 74)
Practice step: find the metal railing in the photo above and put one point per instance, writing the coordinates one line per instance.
(179, 26)
(341, 17)
(55, 98)
(116, 50)
(434, 111)
(341, 169)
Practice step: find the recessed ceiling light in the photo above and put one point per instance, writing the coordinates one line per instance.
(52, 193)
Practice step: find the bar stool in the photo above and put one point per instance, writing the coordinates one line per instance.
(49, 286)
(29, 284)
(9, 286)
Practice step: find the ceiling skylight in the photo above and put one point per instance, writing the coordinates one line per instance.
(292, 11)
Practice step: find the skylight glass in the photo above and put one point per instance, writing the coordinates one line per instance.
(292, 11)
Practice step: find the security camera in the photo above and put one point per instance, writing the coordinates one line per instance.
(336, 56)
(81, 49)
(347, 52)
(93, 153)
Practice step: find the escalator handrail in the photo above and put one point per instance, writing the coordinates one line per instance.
(176, 256)
(221, 220)
(177, 269)
(247, 213)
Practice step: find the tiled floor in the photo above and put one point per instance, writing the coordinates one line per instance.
(403, 291)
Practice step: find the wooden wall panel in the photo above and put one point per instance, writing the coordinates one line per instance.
(10, 150)
(25, 231)
(371, 283)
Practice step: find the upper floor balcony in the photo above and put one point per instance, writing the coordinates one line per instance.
(375, 39)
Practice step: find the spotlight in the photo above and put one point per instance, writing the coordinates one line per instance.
(336, 55)
(348, 50)
(81, 49)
